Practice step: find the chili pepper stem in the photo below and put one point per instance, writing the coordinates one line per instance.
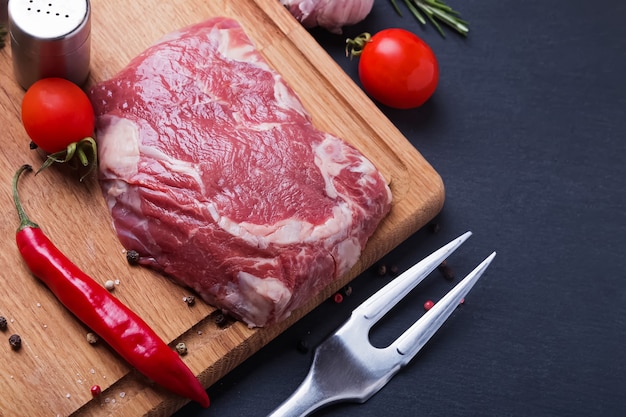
(24, 220)
(123, 330)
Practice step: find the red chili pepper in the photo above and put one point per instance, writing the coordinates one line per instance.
(104, 314)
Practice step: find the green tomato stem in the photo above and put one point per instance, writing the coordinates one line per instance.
(78, 150)
(354, 47)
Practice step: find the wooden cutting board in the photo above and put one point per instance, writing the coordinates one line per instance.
(52, 373)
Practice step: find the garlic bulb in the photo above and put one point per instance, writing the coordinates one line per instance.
(329, 14)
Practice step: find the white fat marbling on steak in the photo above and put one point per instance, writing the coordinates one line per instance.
(214, 173)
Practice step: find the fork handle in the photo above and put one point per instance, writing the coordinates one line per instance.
(304, 400)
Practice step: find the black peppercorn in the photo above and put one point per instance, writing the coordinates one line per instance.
(302, 346)
(15, 341)
(132, 256)
(446, 271)
(3, 323)
(220, 319)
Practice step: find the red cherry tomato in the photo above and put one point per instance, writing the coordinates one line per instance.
(56, 113)
(398, 69)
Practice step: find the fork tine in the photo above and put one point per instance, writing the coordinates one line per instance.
(381, 302)
(412, 340)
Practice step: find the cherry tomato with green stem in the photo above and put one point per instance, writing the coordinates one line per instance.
(396, 67)
(59, 119)
(55, 113)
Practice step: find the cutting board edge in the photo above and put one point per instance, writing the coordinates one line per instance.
(163, 404)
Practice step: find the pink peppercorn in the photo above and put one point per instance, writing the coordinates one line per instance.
(96, 390)
(338, 298)
(428, 305)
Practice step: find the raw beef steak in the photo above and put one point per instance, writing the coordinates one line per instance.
(214, 174)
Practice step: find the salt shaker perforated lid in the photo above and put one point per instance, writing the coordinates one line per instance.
(50, 38)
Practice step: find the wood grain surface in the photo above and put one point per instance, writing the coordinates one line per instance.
(52, 373)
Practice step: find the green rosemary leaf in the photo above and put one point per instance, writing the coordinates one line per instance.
(437, 11)
(415, 12)
(436, 24)
(395, 7)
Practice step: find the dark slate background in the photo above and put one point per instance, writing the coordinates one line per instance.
(527, 129)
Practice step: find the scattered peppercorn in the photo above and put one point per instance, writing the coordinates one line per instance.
(220, 319)
(338, 298)
(302, 346)
(131, 337)
(132, 256)
(32, 145)
(381, 270)
(428, 305)
(3, 323)
(92, 338)
(347, 291)
(95, 390)
(434, 227)
(15, 341)
(189, 299)
(446, 271)
(394, 270)
(181, 348)
(109, 285)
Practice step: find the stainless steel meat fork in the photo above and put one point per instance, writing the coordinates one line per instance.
(346, 367)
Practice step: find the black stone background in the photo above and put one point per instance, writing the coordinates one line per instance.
(527, 131)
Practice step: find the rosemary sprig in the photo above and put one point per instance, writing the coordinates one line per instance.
(436, 11)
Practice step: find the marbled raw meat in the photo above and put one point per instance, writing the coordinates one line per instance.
(214, 173)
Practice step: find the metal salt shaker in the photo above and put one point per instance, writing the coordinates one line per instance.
(50, 38)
